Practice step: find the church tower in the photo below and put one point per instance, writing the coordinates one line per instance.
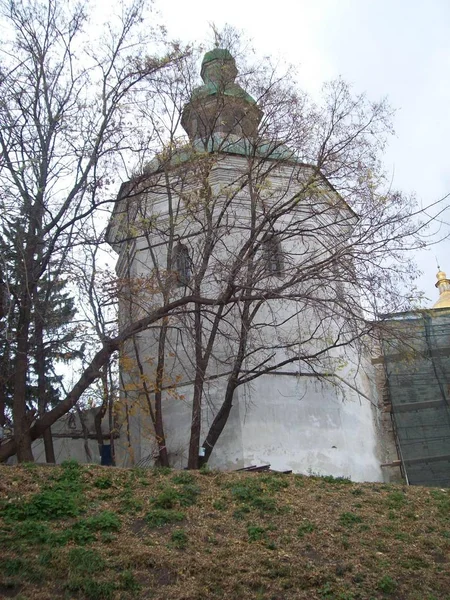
(263, 365)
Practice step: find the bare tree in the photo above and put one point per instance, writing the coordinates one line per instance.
(65, 111)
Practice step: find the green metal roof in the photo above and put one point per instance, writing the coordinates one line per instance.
(217, 54)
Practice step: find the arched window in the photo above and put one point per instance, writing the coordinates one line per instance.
(273, 255)
(182, 264)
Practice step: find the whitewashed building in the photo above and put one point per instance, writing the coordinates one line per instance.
(235, 218)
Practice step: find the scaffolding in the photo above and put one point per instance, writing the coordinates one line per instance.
(416, 349)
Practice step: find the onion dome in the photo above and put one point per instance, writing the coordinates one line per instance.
(443, 285)
(220, 106)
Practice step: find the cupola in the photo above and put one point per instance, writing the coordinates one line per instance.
(443, 285)
(220, 107)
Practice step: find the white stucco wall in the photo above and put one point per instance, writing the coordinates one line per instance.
(290, 421)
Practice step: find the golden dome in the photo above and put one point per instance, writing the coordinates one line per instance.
(443, 284)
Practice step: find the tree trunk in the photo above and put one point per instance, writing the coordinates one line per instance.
(159, 424)
(221, 418)
(155, 412)
(102, 410)
(21, 417)
(41, 387)
(196, 418)
(219, 422)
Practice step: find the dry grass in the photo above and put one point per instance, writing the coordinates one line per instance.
(103, 533)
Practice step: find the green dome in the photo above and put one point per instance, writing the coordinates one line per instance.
(217, 54)
(236, 111)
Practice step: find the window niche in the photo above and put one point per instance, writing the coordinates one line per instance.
(273, 256)
(182, 265)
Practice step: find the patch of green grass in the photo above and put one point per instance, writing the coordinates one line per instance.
(414, 562)
(442, 501)
(348, 519)
(103, 483)
(160, 516)
(264, 504)
(33, 532)
(275, 482)
(13, 566)
(179, 539)
(241, 513)
(206, 470)
(21, 569)
(167, 499)
(219, 505)
(50, 504)
(106, 537)
(129, 503)
(304, 528)
(327, 593)
(161, 471)
(61, 500)
(255, 533)
(171, 498)
(85, 562)
(83, 531)
(128, 582)
(104, 521)
(92, 590)
(345, 542)
(387, 585)
(396, 499)
(183, 477)
(188, 494)
(336, 480)
(46, 557)
(29, 466)
(251, 494)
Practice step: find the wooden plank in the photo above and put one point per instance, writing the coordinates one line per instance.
(394, 463)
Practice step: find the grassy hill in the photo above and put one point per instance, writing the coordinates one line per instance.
(100, 533)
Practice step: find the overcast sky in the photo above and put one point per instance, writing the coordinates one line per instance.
(399, 49)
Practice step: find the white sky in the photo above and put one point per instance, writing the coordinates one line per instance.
(399, 49)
